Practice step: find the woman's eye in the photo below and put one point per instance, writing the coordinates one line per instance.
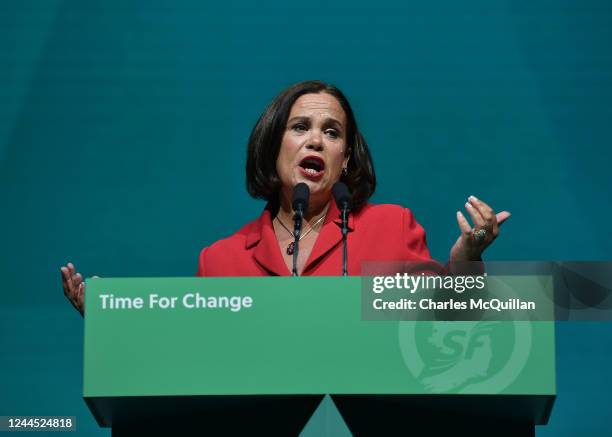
(332, 133)
(299, 127)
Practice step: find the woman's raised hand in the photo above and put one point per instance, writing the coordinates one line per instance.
(474, 240)
(74, 287)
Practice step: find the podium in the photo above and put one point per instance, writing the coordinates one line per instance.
(244, 355)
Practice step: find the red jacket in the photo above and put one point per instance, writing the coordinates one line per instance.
(376, 233)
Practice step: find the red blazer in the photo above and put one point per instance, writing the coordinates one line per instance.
(376, 233)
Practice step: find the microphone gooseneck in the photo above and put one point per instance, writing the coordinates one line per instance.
(343, 198)
(301, 195)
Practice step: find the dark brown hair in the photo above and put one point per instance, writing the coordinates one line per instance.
(264, 144)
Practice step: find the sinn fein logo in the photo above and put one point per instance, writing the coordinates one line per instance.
(465, 357)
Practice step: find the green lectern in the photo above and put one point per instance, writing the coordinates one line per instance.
(224, 356)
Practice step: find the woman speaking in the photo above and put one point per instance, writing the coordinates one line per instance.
(308, 135)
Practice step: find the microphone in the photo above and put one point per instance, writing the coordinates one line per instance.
(301, 196)
(343, 198)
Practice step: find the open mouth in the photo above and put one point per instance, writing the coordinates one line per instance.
(312, 167)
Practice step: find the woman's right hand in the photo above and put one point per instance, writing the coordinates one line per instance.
(74, 287)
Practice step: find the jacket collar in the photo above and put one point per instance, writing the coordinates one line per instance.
(267, 251)
(329, 236)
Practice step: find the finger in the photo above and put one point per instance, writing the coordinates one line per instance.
(77, 279)
(72, 269)
(502, 216)
(82, 298)
(465, 227)
(75, 303)
(477, 218)
(485, 210)
(65, 273)
(81, 292)
(66, 280)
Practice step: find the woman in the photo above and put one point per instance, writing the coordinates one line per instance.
(309, 134)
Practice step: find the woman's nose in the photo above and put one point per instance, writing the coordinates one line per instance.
(315, 142)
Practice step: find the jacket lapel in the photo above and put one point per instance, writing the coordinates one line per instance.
(329, 236)
(267, 252)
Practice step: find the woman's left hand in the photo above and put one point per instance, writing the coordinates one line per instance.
(474, 240)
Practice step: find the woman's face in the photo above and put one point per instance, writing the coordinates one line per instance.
(313, 146)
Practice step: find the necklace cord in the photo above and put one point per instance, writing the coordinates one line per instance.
(319, 220)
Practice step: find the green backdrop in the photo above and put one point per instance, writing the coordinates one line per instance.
(122, 140)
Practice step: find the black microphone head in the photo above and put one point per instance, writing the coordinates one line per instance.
(301, 195)
(342, 195)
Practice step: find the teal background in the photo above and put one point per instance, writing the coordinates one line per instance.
(123, 122)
